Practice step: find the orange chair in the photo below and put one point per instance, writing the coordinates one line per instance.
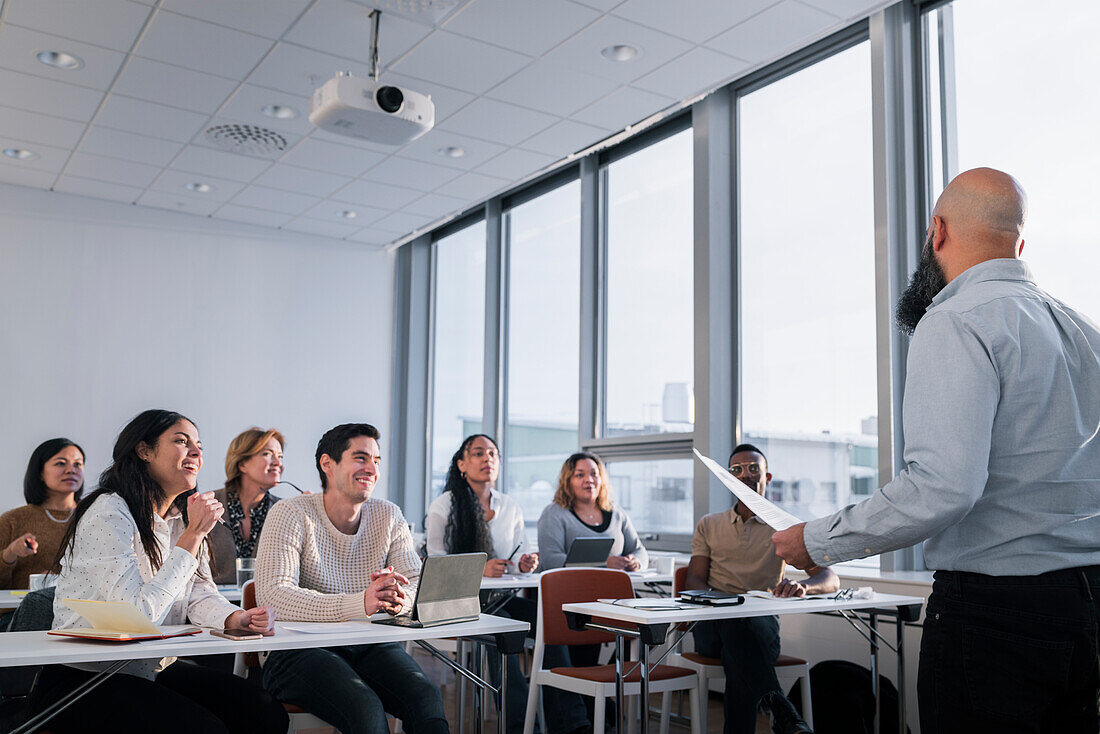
(788, 669)
(300, 719)
(562, 586)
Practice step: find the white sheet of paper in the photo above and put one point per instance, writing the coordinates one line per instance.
(764, 509)
(320, 628)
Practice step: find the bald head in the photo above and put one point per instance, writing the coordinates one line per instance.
(985, 210)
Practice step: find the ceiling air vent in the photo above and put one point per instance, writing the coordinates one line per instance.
(247, 139)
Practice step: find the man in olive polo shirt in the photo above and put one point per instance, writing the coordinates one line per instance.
(732, 552)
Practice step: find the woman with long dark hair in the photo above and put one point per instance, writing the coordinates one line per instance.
(30, 536)
(139, 538)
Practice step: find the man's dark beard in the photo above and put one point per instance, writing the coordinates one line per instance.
(928, 280)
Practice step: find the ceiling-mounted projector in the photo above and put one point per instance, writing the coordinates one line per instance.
(368, 109)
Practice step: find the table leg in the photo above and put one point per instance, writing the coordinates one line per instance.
(74, 696)
(502, 714)
(901, 672)
(644, 672)
(620, 711)
(479, 713)
(872, 619)
(460, 649)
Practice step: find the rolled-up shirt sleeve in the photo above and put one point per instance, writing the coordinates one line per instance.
(951, 395)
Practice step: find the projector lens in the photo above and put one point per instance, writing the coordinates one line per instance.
(389, 99)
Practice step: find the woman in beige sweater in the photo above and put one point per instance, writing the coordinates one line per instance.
(30, 536)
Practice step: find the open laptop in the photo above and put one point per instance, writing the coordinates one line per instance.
(585, 552)
(447, 593)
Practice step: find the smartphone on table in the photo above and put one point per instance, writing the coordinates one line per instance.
(237, 634)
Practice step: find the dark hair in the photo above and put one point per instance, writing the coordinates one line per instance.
(467, 529)
(746, 447)
(34, 489)
(128, 477)
(336, 440)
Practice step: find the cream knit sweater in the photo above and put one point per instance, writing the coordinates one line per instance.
(311, 572)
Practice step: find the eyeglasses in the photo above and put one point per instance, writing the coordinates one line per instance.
(753, 469)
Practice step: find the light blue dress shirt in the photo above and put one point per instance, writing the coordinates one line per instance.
(1002, 457)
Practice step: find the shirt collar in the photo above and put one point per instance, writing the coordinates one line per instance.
(735, 518)
(1002, 268)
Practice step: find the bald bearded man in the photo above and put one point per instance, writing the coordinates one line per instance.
(1002, 477)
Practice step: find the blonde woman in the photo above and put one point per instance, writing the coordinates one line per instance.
(582, 508)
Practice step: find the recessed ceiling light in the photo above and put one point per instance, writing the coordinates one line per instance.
(451, 151)
(620, 52)
(279, 112)
(20, 154)
(199, 188)
(348, 214)
(60, 59)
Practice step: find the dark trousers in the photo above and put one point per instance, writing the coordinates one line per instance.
(184, 698)
(1011, 653)
(353, 687)
(748, 649)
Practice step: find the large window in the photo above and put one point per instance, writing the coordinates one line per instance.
(807, 290)
(649, 290)
(543, 344)
(459, 345)
(1019, 77)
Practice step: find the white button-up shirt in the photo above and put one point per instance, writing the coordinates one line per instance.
(506, 528)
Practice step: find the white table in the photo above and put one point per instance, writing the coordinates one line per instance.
(11, 598)
(652, 628)
(39, 648)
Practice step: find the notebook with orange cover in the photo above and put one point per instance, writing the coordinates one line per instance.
(118, 621)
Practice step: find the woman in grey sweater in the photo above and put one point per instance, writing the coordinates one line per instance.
(582, 508)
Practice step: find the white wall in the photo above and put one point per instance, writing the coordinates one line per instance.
(108, 309)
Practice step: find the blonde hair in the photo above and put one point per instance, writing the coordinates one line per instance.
(242, 448)
(565, 497)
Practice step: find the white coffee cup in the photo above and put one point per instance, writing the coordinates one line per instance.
(37, 581)
(665, 565)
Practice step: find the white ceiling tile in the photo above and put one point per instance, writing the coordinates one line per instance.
(37, 128)
(178, 203)
(401, 222)
(175, 183)
(261, 197)
(370, 193)
(268, 18)
(209, 162)
(129, 146)
(111, 170)
(694, 20)
(248, 215)
(373, 237)
(19, 48)
(514, 164)
(582, 52)
(299, 71)
(174, 86)
(849, 9)
(201, 46)
(435, 205)
(447, 101)
(411, 174)
(497, 122)
(472, 186)
(127, 113)
(342, 160)
(600, 4)
(433, 13)
(531, 27)
(427, 149)
(460, 62)
(564, 138)
(49, 158)
(772, 33)
(247, 102)
(302, 180)
(111, 23)
(625, 107)
(698, 70)
(98, 189)
(333, 211)
(25, 176)
(543, 86)
(344, 29)
(48, 97)
(322, 228)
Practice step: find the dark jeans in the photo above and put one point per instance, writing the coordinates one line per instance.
(1011, 653)
(748, 649)
(184, 698)
(352, 688)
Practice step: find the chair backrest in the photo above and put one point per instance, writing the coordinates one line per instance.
(35, 612)
(567, 585)
(248, 600)
(679, 579)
